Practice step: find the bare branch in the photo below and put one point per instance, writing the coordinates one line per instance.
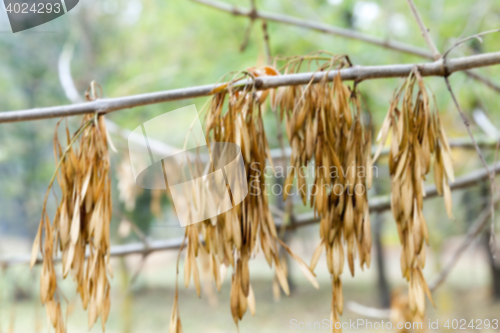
(337, 31)
(145, 241)
(483, 80)
(283, 152)
(463, 40)
(467, 125)
(376, 205)
(472, 233)
(267, 47)
(437, 55)
(278, 154)
(494, 187)
(382, 203)
(246, 36)
(116, 251)
(321, 27)
(466, 122)
(357, 73)
(474, 230)
(248, 30)
(369, 311)
(425, 32)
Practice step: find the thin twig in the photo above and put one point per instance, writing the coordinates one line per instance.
(337, 31)
(382, 203)
(161, 148)
(368, 311)
(116, 251)
(476, 36)
(467, 125)
(488, 127)
(425, 32)
(267, 47)
(376, 205)
(138, 270)
(285, 217)
(494, 187)
(248, 30)
(472, 233)
(324, 28)
(484, 80)
(246, 36)
(437, 55)
(356, 73)
(465, 120)
(144, 239)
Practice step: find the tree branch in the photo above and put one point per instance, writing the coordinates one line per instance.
(483, 80)
(472, 233)
(377, 204)
(430, 43)
(246, 36)
(491, 175)
(321, 27)
(368, 311)
(382, 203)
(337, 31)
(116, 251)
(267, 47)
(425, 32)
(437, 55)
(357, 73)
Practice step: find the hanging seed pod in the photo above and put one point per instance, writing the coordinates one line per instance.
(175, 321)
(232, 238)
(81, 224)
(417, 135)
(326, 130)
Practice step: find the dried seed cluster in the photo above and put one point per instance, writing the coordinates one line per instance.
(232, 238)
(81, 224)
(417, 135)
(327, 133)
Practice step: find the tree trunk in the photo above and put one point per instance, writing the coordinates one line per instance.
(383, 285)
